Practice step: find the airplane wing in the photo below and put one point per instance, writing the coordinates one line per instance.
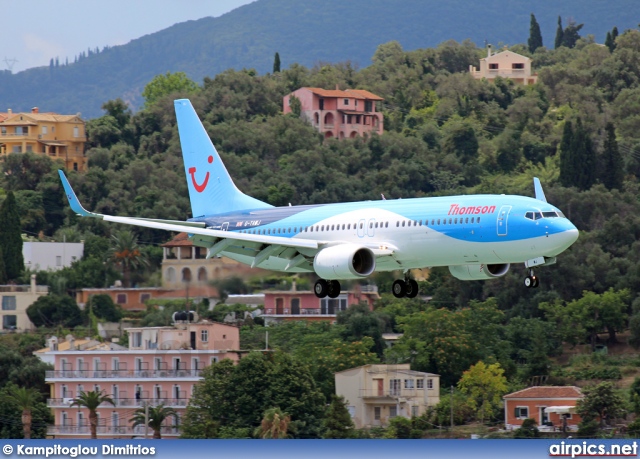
(253, 249)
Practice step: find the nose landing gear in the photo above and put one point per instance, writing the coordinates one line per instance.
(531, 281)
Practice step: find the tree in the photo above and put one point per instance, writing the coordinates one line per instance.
(601, 401)
(613, 167)
(274, 424)
(485, 385)
(276, 63)
(11, 238)
(164, 85)
(157, 415)
(126, 253)
(528, 429)
(535, 36)
(584, 156)
(559, 34)
(567, 161)
(337, 422)
(91, 401)
(103, 307)
(3, 271)
(589, 315)
(570, 35)
(25, 398)
(54, 310)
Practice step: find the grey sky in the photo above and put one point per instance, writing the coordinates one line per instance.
(40, 30)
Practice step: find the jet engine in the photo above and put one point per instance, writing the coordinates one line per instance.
(479, 272)
(344, 261)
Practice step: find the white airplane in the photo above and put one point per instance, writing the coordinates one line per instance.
(476, 236)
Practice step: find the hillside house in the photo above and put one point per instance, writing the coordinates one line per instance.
(376, 393)
(546, 404)
(339, 114)
(60, 137)
(505, 64)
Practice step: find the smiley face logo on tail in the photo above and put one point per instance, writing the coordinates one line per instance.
(192, 172)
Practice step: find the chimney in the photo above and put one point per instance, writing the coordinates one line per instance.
(488, 50)
(35, 110)
(337, 87)
(9, 112)
(33, 284)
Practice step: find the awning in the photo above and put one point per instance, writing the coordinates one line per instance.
(560, 409)
(53, 144)
(355, 112)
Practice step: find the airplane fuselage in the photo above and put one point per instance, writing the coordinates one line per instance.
(424, 232)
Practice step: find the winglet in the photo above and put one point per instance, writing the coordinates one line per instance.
(73, 199)
(538, 189)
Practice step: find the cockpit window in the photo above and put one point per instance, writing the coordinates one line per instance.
(533, 215)
(550, 214)
(561, 215)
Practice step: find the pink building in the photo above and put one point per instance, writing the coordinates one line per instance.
(160, 366)
(337, 113)
(305, 305)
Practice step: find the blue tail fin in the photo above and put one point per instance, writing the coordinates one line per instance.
(211, 188)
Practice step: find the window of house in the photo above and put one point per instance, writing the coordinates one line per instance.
(9, 322)
(377, 412)
(17, 149)
(409, 383)
(3, 130)
(393, 411)
(204, 336)
(367, 105)
(76, 131)
(29, 148)
(58, 260)
(414, 411)
(493, 66)
(521, 412)
(121, 298)
(429, 383)
(75, 166)
(517, 66)
(136, 339)
(144, 297)
(44, 129)
(420, 383)
(346, 101)
(8, 303)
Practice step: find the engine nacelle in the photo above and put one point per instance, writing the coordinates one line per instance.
(344, 261)
(479, 272)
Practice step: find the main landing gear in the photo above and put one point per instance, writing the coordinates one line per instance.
(324, 288)
(531, 281)
(407, 287)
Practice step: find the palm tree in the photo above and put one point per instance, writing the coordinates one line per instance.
(274, 424)
(25, 398)
(92, 400)
(157, 415)
(126, 253)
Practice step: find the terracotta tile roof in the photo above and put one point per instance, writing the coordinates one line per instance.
(181, 240)
(350, 93)
(547, 392)
(32, 117)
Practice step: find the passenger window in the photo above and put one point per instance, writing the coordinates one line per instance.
(386, 225)
(450, 221)
(438, 221)
(455, 221)
(472, 219)
(478, 219)
(397, 224)
(370, 225)
(349, 226)
(290, 229)
(402, 223)
(376, 224)
(466, 220)
(343, 227)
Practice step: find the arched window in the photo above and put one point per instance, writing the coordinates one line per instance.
(170, 275)
(186, 275)
(202, 275)
(328, 118)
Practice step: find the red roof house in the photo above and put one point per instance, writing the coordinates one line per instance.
(546, 404)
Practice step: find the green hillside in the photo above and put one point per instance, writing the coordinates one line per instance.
(302, 32)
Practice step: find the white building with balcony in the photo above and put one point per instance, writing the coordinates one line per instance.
(505, 64)
(376, 393)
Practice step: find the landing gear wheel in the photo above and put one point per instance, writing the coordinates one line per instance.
(411, 287)
(399, 289)
(334, 289)
(536, 282)
(321, 288)
(528, 281)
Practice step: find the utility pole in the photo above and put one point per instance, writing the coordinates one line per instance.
(451, 405)
(146, 420)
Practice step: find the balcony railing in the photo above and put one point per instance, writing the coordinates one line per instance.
(303, 312)
(393, 393)
(118, 374)
(124, 402)
(110, 430)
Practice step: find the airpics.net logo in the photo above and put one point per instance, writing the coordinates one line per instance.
(586, 449)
